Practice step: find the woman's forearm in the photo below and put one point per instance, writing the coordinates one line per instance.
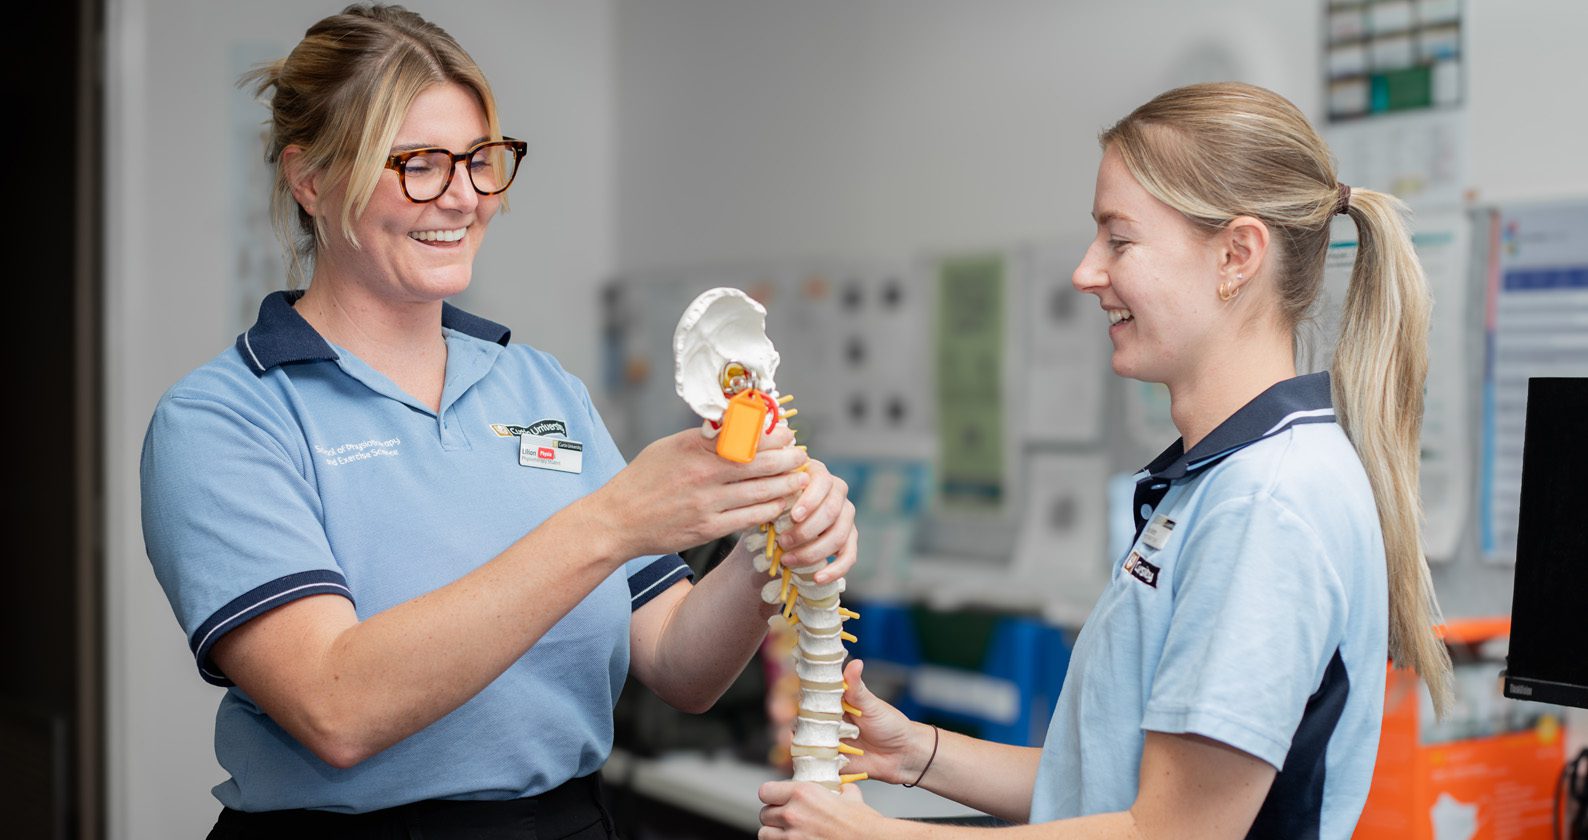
(993, 778)
(689, 644)
(348, 689)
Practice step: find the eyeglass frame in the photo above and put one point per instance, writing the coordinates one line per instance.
(399, 161)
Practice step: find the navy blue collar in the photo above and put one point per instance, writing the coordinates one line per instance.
(1304, 399)
(281, 336)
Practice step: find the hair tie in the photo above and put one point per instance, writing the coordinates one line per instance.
(928, 760)
(1343, 206)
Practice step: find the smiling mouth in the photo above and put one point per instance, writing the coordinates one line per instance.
(439, 236)
(1119, 316)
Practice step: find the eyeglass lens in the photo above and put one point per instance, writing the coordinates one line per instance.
(490, 168)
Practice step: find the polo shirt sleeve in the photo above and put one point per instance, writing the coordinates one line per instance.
(231, 522)
(651, 574)
(1259, 612)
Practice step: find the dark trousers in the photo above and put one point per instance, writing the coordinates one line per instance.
(572, 811)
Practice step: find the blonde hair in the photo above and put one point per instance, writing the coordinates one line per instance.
(1217, 151)
(341, 95)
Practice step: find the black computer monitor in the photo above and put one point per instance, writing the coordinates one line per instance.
(1548, 661)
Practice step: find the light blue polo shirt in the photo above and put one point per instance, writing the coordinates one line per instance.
(286, 468)
(1252, 609)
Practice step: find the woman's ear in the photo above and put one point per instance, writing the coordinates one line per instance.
(305, 186)
(1244, 243)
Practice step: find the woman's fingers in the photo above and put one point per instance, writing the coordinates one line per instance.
(755, 491)
(826, 544)
(775, 793)
(844, 560)
(817, 507)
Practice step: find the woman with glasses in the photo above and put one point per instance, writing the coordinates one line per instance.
(407, 547)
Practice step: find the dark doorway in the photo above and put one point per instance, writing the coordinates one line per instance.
(51, 741)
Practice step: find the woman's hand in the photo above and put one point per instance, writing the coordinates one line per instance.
(807, 811)
(896, 748)
(824, 526)
(679, 493)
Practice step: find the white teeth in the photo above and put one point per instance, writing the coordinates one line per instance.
(1117, 315)
(439, 235)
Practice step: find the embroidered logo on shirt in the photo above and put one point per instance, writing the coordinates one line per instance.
(364, 450)
(1138, 567)
(538, 428)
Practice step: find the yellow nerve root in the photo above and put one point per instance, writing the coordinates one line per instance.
(851, 778)
(848, 750)
(851, 709)
(847, 636)
(848, 613)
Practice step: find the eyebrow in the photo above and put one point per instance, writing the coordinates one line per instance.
(1110, 216)
(408, 147)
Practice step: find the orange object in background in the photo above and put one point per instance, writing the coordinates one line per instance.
(1487, 772)
(742, 424)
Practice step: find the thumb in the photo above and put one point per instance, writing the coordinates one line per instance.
(851, 793)
(857, 693)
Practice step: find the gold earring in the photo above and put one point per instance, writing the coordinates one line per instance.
(1227, 292)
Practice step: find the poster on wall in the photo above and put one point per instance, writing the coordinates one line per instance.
(1066, 350)
(1395, 82)
(1535, 324)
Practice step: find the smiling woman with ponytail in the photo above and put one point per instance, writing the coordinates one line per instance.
(1230, 681)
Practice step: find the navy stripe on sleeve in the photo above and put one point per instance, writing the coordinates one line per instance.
(654, 579)
(251, 604)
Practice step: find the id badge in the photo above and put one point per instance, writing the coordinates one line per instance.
(550, 453)
(1157, 532)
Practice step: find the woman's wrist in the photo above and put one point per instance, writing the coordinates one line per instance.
(589, 522)
(925, 741)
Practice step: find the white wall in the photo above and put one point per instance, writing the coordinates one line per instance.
(1529, 124)
(168, 258)
(756, 130)
(763, 129)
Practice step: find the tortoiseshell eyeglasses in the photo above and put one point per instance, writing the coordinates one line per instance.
(425, 174)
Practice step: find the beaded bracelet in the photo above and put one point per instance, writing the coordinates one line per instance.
(928, 760)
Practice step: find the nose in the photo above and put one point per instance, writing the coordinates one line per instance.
(460, 194)
(1089, 276)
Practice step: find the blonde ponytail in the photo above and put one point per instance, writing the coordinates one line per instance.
(1380, 364)
(1217, 151)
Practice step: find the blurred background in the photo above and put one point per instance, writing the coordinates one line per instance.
(906, 185)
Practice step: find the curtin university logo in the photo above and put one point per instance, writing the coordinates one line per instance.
(539, 427)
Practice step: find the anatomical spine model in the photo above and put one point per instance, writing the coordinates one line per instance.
(725, 369)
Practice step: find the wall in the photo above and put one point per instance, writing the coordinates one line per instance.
(169, 258)
(764, 130)
(754, 130)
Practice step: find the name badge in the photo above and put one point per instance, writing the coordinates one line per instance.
(1157, 532)
(549, 453)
